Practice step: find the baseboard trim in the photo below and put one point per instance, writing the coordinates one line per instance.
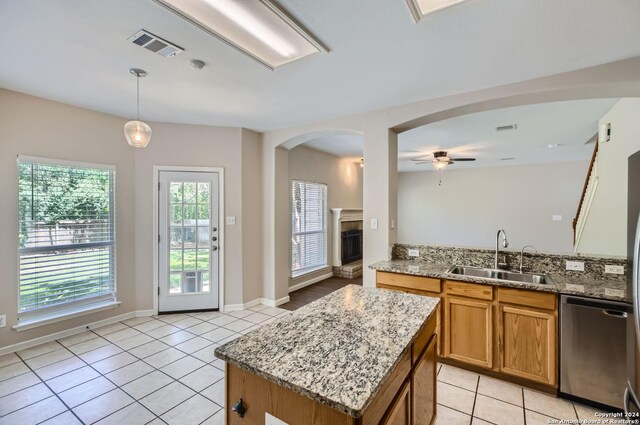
(275, 303)
(249, 304)
(257, 301)
(68, 332)
(310, 282)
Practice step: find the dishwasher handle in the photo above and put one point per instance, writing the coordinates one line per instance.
(609, 306)
(615, 314)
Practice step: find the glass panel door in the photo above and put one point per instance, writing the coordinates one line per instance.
(188, 257)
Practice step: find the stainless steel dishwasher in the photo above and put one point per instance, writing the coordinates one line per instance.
(593, 350)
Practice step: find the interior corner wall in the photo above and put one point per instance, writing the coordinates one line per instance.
(38, 127)
(343, 177)
(605, 228)
(472, 204)
(196, 146)
(379, 198)
(251, 220)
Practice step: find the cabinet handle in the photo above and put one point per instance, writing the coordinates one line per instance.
(239, 408)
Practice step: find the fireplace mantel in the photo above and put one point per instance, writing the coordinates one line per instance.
(341, 215)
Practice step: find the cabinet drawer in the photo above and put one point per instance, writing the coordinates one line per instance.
(543, 300)
(469, 290)
(423, 338)
(408, 281)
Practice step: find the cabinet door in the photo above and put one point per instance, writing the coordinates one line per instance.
(400, 412)
(528, 343)
(468, 331)
(423, 386)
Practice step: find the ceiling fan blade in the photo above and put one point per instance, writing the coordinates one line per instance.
(422, 162)
(462, 159)
(418, 159)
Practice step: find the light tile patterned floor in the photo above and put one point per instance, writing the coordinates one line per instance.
(469, 398)
(162, 370)
(144, 370)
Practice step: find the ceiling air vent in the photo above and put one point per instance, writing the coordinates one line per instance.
(157, 45)
(507, 127)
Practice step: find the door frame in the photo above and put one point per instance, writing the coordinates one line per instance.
(156, 227)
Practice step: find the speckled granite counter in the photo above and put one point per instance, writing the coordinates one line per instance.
(603, 289)
(338, 350)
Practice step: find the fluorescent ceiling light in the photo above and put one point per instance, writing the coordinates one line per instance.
(258, 28)
(420, 8)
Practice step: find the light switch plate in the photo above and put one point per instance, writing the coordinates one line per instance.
(613, 269)
(577, 266)
(414, 253)
(3, 320)
(231, 220)
(556, 217)
(374, 223)
(272, 420)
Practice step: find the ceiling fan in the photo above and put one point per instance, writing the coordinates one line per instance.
(441, 160)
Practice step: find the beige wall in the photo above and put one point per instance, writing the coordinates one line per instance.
(251, 215)
(605, 229)
(198, 146)
(38, 127)
(472, 204)
(343, 177)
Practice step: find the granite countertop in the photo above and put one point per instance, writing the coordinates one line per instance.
(337, 350)
(603, 289)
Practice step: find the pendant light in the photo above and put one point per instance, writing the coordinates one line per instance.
(137, 133)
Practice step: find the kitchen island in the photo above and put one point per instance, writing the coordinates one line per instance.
(357, 356)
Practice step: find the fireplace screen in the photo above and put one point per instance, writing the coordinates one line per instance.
(351, 246)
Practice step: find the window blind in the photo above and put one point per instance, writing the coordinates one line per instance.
(66, 234)
(308, 224)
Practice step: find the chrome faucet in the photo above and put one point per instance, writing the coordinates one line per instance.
(522, 253)
(505, 244)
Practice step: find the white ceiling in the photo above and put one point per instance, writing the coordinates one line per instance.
(568, 124)
(75, 52)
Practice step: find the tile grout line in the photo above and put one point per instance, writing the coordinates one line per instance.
(55, 394)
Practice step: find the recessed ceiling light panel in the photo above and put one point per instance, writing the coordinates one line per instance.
(258, 28)
(420, 8)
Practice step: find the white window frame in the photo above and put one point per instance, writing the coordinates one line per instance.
(325, 232)
(55, 313)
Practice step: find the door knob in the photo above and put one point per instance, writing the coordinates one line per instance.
(239, 408)
(214, 229)
(214, 238)
(214, 248)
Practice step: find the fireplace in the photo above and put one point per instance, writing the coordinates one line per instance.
(351, 242)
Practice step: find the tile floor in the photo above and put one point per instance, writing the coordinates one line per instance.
(156, 370)
(147, 370)
(469, 398)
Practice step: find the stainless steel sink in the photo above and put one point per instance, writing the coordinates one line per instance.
(540, 279)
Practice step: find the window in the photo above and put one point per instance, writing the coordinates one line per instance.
(66, 236)
(309, 227)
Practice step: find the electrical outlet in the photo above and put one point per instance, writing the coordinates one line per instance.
(230, 220)
(3, 320)
(577, 266)
(414, 253)
(613, 269)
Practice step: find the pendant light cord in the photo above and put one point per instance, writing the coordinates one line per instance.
(138, 96)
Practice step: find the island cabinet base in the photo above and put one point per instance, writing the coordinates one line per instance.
(407, 397)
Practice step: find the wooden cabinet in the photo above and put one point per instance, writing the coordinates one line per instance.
(510, 331)
(528, 336)
(469, 331)
(423, 384)
(400, 411)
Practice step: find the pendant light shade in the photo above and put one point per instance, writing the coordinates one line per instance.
(137, 133)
